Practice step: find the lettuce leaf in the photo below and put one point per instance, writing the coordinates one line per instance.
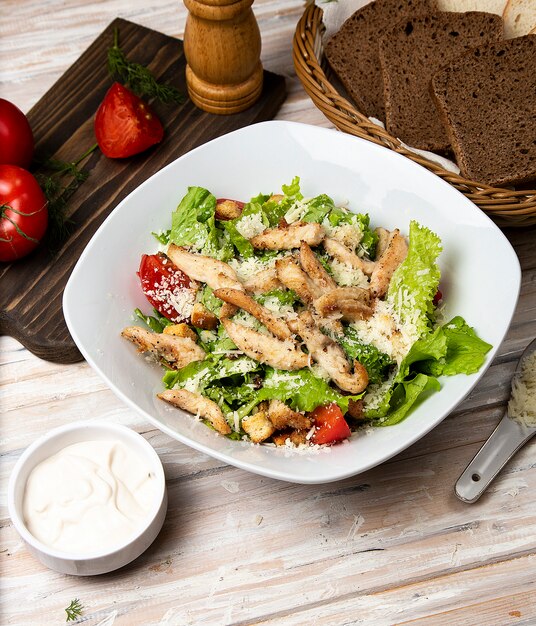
(465, 352)
(253, 207)
(301, 389)
(415, 282)
(193, 225)
(376, 362)
(405, 395)
(448, 350)
(340, 217)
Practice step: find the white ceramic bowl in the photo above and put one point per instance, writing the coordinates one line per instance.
(480, 275)
(53, 442)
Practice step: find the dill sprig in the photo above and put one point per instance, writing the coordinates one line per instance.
(74, 610)
(139, 78)
(57, 193)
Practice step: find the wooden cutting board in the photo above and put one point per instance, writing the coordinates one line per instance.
(62, 121)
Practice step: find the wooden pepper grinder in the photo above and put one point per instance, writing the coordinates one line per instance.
(222, 44)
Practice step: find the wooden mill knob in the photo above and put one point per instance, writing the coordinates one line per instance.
(222, 45)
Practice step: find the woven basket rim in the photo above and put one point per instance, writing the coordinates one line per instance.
(507, 207)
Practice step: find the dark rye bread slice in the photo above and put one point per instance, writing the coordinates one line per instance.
(410, 54)
(487, 98)
(353, 51)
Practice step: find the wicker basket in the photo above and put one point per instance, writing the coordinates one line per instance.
(507, 207)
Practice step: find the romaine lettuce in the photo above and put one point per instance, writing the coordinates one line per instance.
(416, 280)
(193, 225)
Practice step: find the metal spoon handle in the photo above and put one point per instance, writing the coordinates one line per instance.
(502, 444)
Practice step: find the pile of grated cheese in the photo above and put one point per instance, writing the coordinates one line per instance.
(522, 404)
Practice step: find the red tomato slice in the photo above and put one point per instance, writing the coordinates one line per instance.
(125, 124)
(330, 424)
(16, 138)
(23, 213)
(165, 286)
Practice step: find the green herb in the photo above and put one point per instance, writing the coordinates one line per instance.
(139, 78)
(58, 193)
(74, 610)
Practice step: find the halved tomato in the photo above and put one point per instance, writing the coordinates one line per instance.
(125, 124)
(168, 289)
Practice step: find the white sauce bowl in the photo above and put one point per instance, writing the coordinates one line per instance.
(98, 562)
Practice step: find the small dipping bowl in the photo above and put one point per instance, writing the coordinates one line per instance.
(87, 564)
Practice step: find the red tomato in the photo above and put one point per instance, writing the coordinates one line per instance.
(330, 424)
(437, 298)
(16, 138)
(125, 124)
(163, 283)
(24, 214)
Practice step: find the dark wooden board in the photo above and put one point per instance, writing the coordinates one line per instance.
(62, 122)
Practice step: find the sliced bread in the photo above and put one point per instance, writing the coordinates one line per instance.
(353, 51)
(487, 98)
(461, 6)
(519, 17)
(410, 54)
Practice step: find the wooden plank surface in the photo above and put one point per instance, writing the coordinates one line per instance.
(390, 546)
(62, 123)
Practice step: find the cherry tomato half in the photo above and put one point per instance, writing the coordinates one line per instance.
(330, 424)
(125, 124)
(16, 138)
(23, 213)
(165, 286)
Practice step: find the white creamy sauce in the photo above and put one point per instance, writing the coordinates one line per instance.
(89, 497)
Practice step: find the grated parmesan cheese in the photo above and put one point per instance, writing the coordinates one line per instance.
(347, 276)
(522, 404)
(385, 331)
(297, 211)
(250, 225)
(250, 267)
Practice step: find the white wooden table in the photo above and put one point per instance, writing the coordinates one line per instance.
(390, 546)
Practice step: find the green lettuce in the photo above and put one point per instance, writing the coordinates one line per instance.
(404, 396)
(253, 207)
(448, 350)
(341, 217)
(416, 280)
(376, 362)
(193, 225)
(301, 389)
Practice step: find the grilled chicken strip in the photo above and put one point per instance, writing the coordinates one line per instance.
(198, 405)
(283, 355)
(288, 237)
(282, 416)
(383, 239)
(330, 356)
(314, 269)
(393, 255)
(340, 252)
(264, 281)
(216, 274)
(293, 277)
(352, 303)
(240, 299)
(176, 351)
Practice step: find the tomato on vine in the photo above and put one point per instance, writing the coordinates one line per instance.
(23, 213)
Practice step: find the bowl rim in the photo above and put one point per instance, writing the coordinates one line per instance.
(122, 433)
(247, 465)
